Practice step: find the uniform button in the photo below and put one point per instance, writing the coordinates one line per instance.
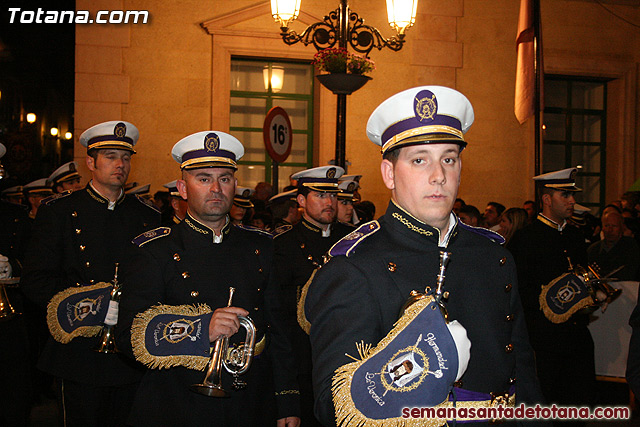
(503, 261)
(74, 214)
(257, 251)
(512, 380)
(310, 258)
(16, 220)
(255, 308)
(508, 287)
(508, 348)
(87, 264)
(457, 383)
(91, 281)
(194, 294)
(509, 317)
(391, 266)
(259, 270)
(144, 224)
(259, 289)
(301, 245)
(82, 247)
(185, 275)
(176, 257)
(78, 231)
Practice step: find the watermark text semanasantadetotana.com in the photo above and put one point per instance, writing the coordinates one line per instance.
(40, 16)
(521, 412)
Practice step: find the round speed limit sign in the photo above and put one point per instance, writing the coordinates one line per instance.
(277, 134)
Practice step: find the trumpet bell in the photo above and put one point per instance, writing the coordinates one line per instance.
(107, 341)
(7, 312)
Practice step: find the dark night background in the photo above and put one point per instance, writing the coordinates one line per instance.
(36, 76)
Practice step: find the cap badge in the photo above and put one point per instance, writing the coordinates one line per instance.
(245, 193)
(120, 130)
(425, 105)
(573, 174)
(351, 186)
(331, 173)
(211, 142)
(72, 167)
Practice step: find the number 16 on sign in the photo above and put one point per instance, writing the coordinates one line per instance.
(276, 132)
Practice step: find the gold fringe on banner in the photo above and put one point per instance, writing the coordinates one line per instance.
(346, 412)
(57, 332)
(139, 329)
(302, 318)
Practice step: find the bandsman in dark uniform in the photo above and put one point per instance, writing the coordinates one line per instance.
(176, 304)
(299, 250)
(241, 204)
(34, 193)
(356, 298)
(78, 237)
(346, 198)
(178, 204)
(14, 357)
(13, 195)
(66, 177)
(545, 250)
(284, 208)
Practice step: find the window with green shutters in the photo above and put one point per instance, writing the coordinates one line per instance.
(250, 103)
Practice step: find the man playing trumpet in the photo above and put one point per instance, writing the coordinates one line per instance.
(176, 305)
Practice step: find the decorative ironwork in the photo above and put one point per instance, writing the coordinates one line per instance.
(326, 34)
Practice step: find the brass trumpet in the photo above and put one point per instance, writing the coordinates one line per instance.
(439, 294)
(236, 360)
(107, 339)
(597, 285)
(7, 311)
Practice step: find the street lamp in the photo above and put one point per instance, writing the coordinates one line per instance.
(273, 76)
(345, 28)
(31, 118)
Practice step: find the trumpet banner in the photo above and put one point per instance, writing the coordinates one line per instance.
(78, 311)
(415, 365)
(563, 296)
(165, 336)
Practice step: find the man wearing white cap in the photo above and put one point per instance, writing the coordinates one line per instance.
(34, 192)
(357, 296)
(241, 204)
(346, 197)
(178, 204)
(78, 237)
(189, 269)
(544, 250)
(299, 251)
(65, 178)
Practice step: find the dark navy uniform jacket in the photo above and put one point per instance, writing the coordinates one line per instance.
(76, 241)
(359, 297)
(187, 267)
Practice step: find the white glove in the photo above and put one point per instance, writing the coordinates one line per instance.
(463, 345)
(5, 267)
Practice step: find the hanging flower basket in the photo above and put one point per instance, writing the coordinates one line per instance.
(343, 83)
(346, 70)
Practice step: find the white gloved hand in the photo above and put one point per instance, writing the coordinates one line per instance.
(5, 267)
(463, 345)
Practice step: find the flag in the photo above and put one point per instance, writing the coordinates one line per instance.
(528, 40)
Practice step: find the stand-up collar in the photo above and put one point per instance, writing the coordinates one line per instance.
(95, 194)
(403, 220)
(546, 221)
(315, 229)
(205, 231)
